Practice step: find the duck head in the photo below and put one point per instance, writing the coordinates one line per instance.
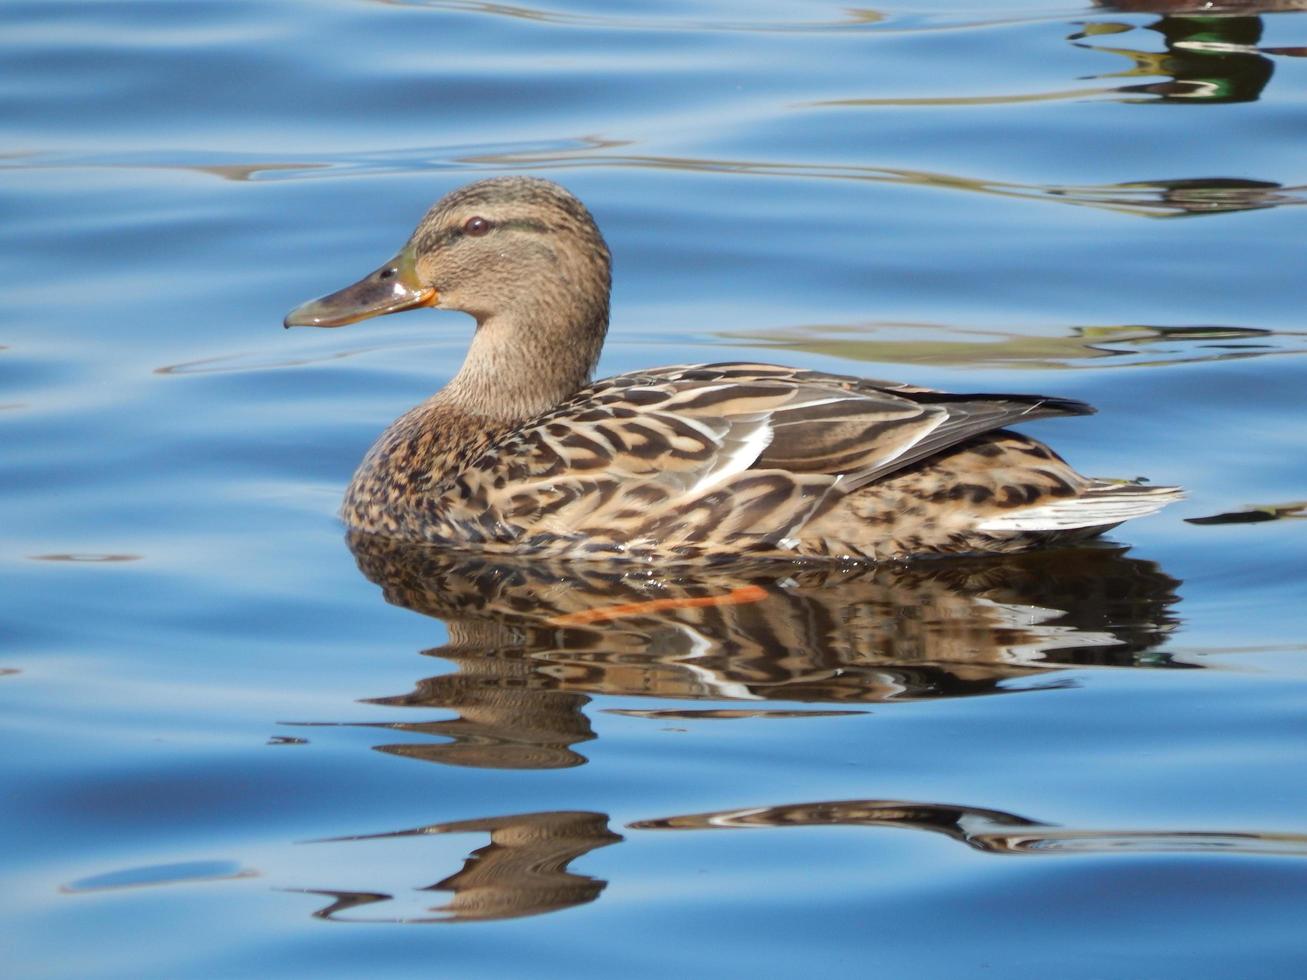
(520, 248)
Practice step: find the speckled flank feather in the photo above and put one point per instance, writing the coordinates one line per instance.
(521, 453)
(700, 460)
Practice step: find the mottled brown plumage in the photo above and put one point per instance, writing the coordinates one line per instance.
(521, 453)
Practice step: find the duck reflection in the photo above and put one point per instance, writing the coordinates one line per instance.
(509, 715)
(1211, 49)
(1182, 197)
(521, 872)
(531, 643)
(993, 831)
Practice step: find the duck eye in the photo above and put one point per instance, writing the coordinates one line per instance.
(476, 226)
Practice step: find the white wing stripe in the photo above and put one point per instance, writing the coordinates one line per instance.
(735, 456)
(1087, 511)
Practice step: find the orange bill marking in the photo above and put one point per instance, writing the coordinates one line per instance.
(744, 594)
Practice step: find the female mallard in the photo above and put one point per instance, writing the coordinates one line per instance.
(522, 453)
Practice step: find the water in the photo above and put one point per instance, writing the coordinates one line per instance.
(235, 748)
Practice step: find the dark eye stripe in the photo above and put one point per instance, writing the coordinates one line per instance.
(516, 224)
(440, 239)
(523, 224)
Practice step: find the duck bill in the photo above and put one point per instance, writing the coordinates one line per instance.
(390, 289)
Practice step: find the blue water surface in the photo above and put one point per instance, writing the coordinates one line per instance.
(235, 747)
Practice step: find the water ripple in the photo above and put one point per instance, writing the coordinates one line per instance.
(1074, 348)
(853, 18)
(1161, 198)
(524, 870)
(184, 872)
(992, 831)
(87, 557)
(264, 360)
(521, 872)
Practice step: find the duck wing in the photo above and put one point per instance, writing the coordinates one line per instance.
(853, 428)
(716, 453)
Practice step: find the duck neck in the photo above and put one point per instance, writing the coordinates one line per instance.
(522, 363)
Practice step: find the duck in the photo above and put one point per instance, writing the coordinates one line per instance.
(522, 453)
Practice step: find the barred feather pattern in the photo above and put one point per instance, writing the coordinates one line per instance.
(696, 461)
